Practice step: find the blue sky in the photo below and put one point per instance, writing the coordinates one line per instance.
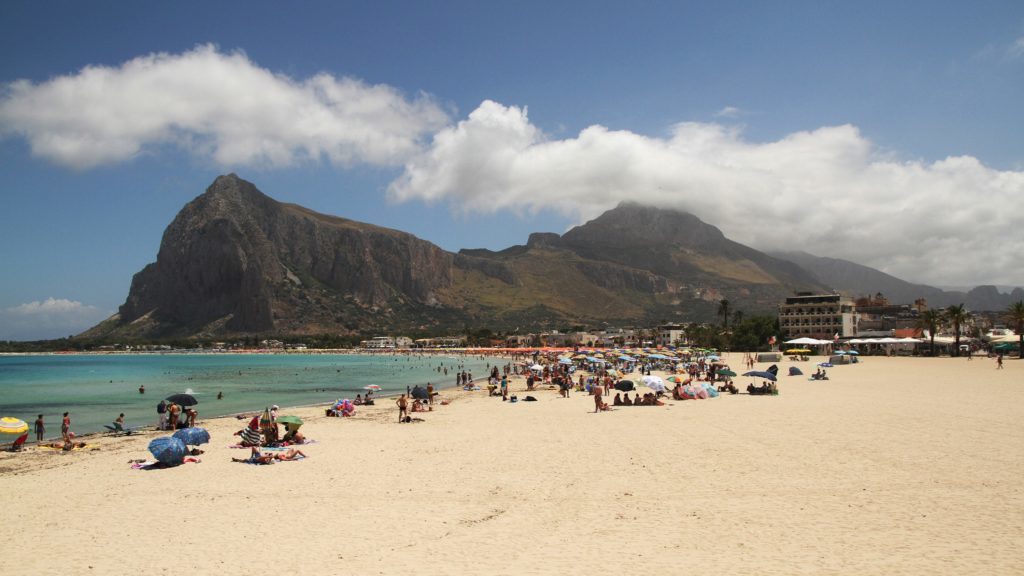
(885, 133)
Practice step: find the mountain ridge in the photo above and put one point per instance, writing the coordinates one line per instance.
(236, 261)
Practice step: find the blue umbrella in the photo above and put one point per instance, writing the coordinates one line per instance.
(193, 436)
(759, 374)
(168, 450)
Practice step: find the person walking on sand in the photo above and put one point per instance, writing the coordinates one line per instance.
(999, 362)
(40, 429)
(504, 388)
(598, 403)
(403, 408)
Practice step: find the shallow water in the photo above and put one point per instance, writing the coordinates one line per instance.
(96, 388)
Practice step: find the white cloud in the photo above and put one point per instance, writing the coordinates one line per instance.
(50, 318)
(218, 105)
(728, 112)
(1016, 49)
(828, 191)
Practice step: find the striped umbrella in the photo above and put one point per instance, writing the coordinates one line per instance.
(251, 437)
(13, 426)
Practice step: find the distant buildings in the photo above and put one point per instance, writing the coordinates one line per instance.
(821, 316)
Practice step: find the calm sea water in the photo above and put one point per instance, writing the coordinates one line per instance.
(95, 389)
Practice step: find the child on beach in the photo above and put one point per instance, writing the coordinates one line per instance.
(40, 429)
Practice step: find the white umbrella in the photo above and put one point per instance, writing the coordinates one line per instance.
(654, 383)
(537, 367)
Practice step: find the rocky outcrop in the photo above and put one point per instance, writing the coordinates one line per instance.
(230, 254)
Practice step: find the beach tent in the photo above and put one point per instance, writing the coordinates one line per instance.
(811, 341)
(794, 371)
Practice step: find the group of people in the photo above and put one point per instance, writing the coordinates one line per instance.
(648, 399)
(768, 388)
(173, 416)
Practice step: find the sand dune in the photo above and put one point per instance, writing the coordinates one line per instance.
(895, 466)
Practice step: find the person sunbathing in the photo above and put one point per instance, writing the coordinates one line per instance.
(256, 457)
(290, 454)
(417, 406)
(69, 445)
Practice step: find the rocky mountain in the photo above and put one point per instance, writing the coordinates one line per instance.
(235, 261)
(856, 280)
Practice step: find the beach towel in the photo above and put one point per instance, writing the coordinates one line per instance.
(61, 449)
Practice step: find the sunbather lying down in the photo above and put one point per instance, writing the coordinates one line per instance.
(256, 457)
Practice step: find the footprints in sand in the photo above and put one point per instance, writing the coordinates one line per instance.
(494, 514)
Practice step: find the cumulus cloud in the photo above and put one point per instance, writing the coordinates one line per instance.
(828, 191)
(50, 318)
(214, 104)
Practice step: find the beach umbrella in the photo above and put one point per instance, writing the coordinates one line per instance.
(675, 379)
(727, 373)
(761, 374)
(192, 436)
(251, 437)
(654, 383)
(624, 385)
(183, 399)
(168, 449)
(537, 367)
(13, 426)
(292, 420)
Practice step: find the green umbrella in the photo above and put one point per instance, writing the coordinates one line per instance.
(728, 373)
(289, 420)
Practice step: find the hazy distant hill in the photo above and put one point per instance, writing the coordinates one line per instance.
(856, 280)
(235, 261)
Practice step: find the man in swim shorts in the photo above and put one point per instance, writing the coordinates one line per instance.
(403, 407)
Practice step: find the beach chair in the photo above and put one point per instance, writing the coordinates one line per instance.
(116, 429)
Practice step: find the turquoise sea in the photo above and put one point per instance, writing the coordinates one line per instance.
(96, 388)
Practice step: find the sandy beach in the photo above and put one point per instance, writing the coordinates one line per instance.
(894, 466)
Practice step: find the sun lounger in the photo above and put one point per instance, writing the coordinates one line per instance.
(117, 429)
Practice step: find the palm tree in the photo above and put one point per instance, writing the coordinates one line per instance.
(737, 317)
(930, 320)
(956, 315)
(1015, 315)
(723, 311)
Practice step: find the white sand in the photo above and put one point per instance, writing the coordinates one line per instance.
(895, 466)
